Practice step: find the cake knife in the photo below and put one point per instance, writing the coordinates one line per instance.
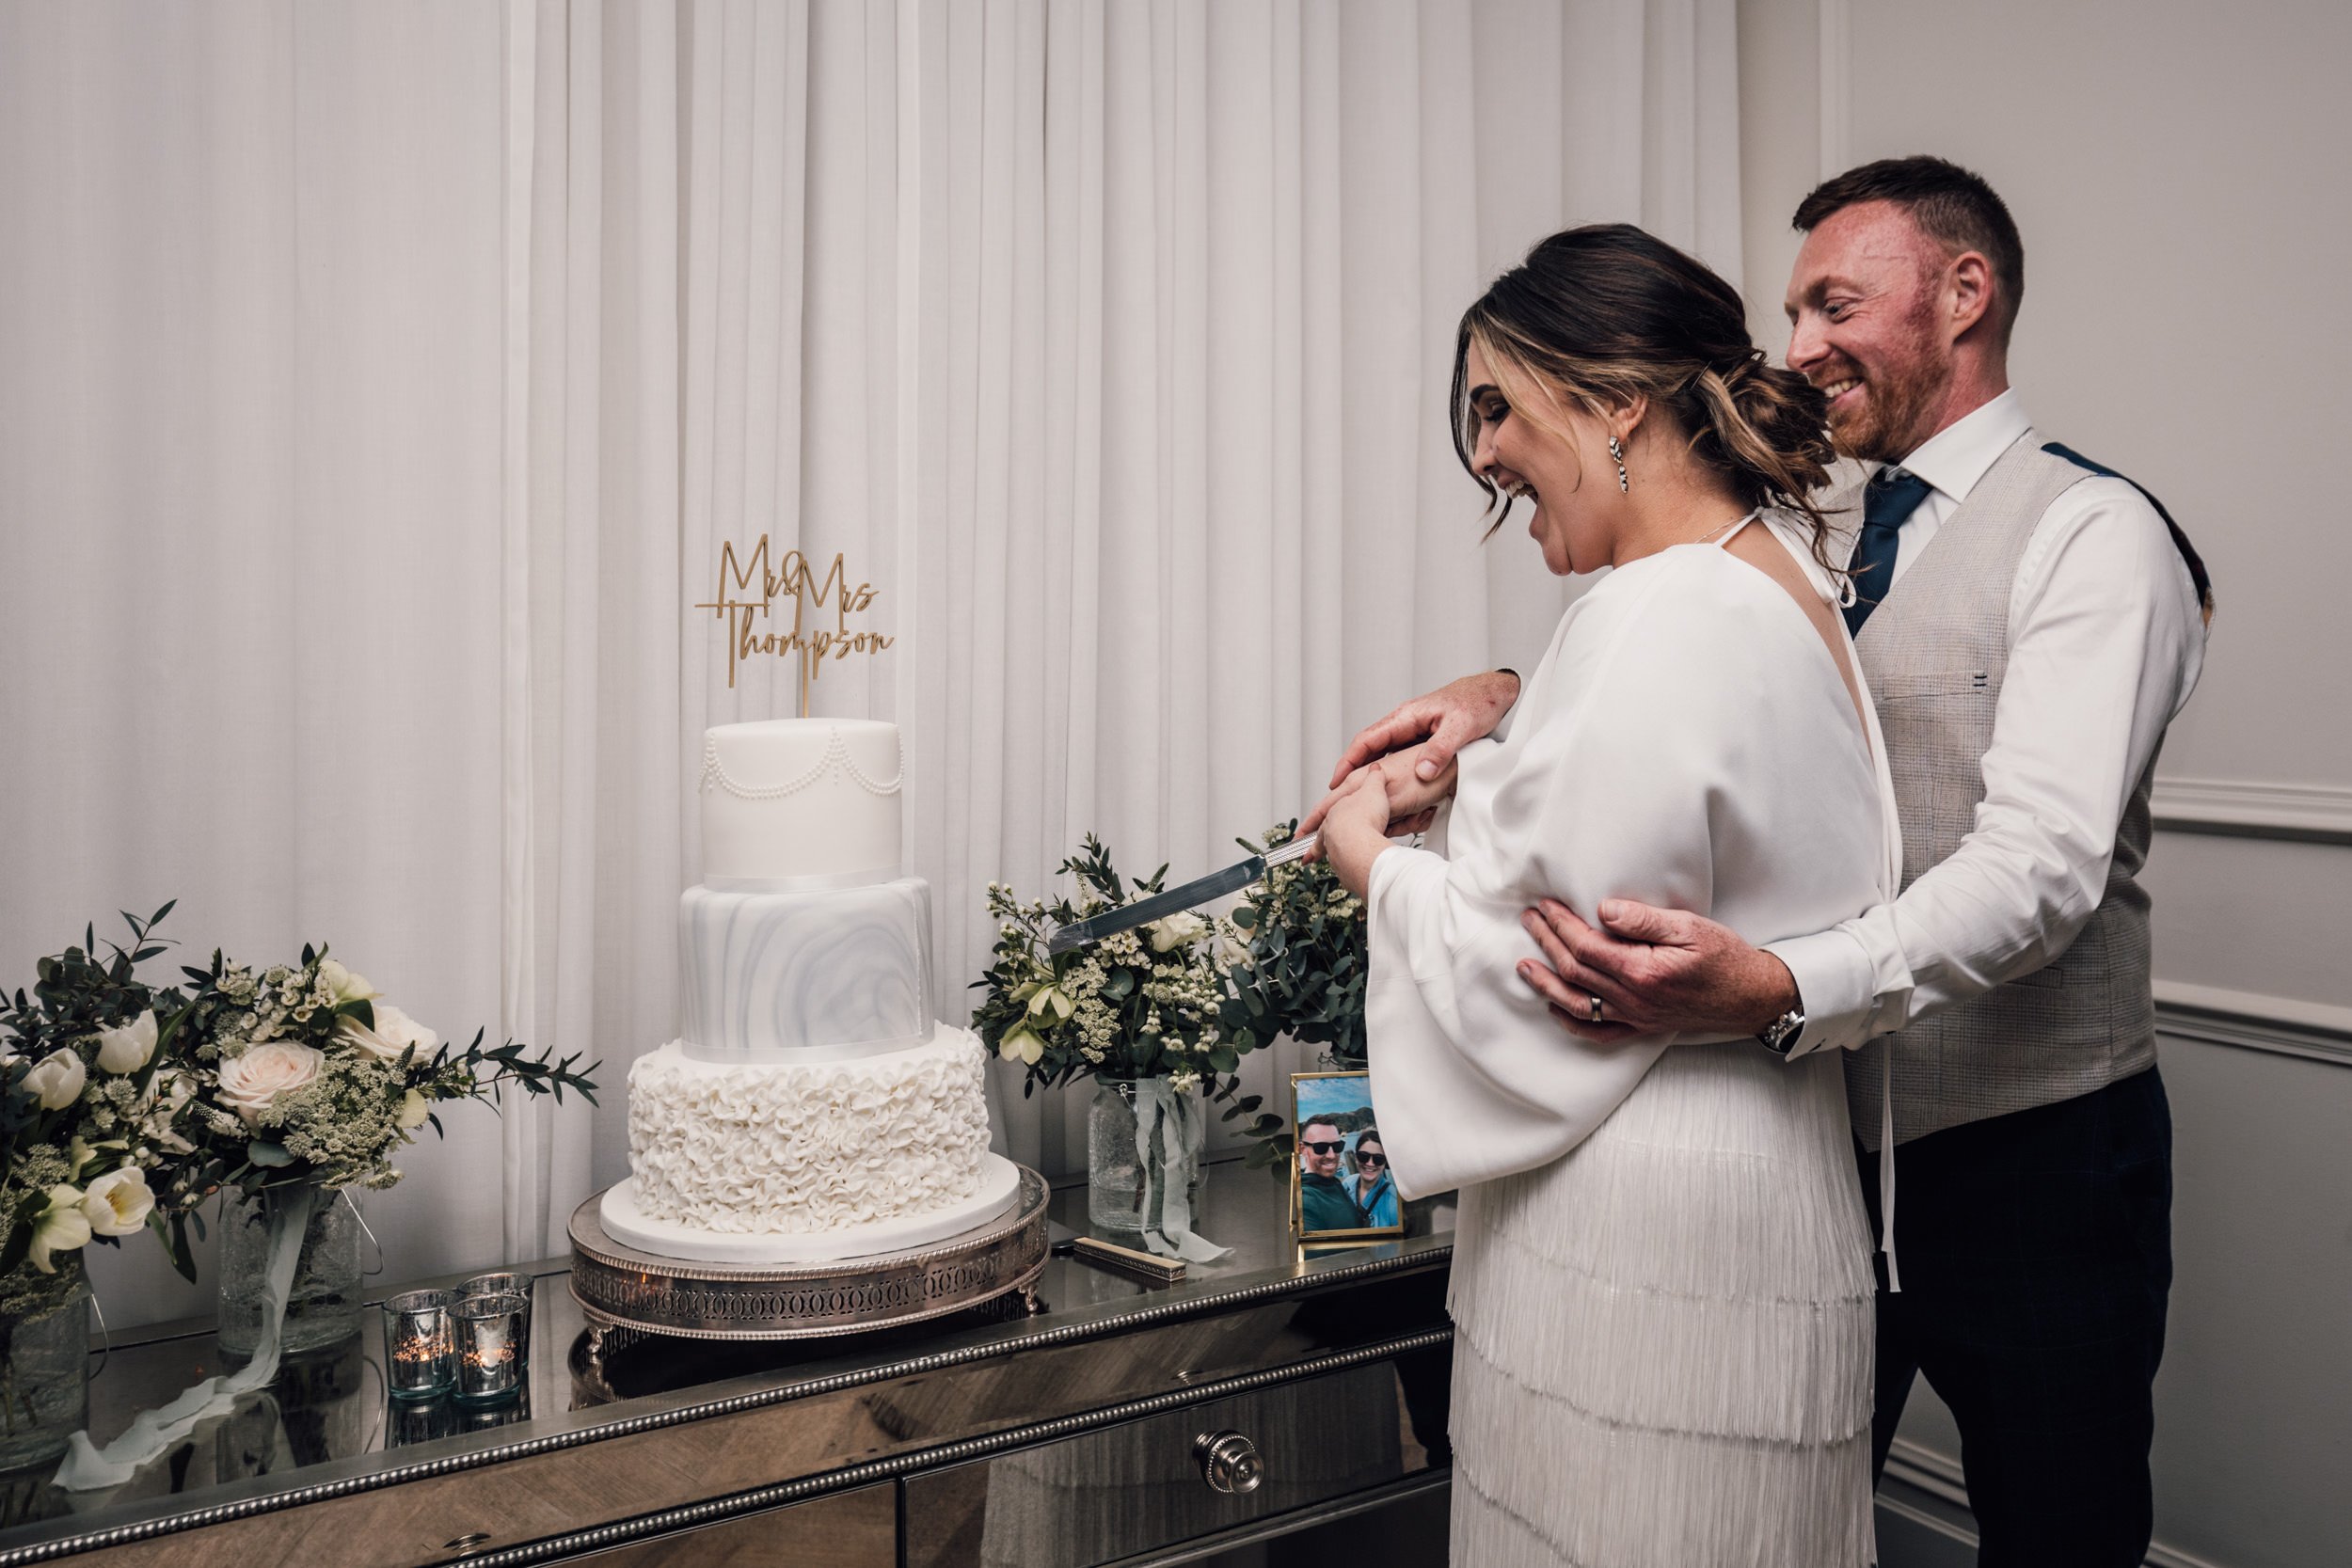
(1191, 895)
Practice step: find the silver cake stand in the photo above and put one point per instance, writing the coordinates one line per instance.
(620, 1288)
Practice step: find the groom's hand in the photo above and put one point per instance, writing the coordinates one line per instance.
(1656, 972)
(1446, 720)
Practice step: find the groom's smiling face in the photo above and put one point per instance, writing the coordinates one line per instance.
(1861, 303)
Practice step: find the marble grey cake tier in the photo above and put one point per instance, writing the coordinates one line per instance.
(806, 976)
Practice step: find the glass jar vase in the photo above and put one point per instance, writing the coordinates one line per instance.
(323, 1306)
(1127, 1187)
(44, 1365)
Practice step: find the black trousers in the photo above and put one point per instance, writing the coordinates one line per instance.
(2036, 1251)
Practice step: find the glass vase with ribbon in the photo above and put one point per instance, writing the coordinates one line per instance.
(44, 1363)
(1145, 1143)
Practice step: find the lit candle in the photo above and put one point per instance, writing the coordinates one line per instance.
(419, 1354)
(489, 1347)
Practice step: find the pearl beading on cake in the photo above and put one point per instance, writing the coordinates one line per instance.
(836, 759)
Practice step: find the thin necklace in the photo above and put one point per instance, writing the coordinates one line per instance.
(1731, 527)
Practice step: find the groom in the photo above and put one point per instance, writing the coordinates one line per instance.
(2029, 623)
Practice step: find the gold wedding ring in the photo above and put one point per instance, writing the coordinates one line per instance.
(1594, 1016)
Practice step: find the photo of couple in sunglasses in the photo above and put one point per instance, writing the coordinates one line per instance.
(1340, 1183)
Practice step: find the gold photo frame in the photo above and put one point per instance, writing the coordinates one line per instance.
(1331, 1178)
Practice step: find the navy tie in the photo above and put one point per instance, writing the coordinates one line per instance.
(1891, 495)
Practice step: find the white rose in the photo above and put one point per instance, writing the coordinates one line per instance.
(250, 1084)
(57, 1079)
(127, 1049)
(1176, 932)
(394, 1033)
(414, 1108)
(342, 983)
(119, 1202)
(62, 1226)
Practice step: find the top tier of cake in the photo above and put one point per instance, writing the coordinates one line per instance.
(799, 803)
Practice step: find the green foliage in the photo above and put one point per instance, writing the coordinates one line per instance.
(1306, 965)
(1304, 976)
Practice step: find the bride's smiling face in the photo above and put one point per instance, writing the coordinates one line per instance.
(1544, 460)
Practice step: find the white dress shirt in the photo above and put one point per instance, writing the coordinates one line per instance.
(2105, 642)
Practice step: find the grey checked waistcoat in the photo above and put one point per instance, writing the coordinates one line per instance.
(1934, 653)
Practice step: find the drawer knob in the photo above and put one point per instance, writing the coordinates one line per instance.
(1228, 1462)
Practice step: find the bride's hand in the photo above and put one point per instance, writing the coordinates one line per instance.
(1413, 802)
(1355, 828)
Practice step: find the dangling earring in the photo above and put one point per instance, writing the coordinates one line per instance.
(1619, 453)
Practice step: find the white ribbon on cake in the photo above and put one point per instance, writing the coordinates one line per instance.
(1173, 1121)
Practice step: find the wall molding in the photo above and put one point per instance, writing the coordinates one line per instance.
(2253, 1020)
(1920, 1468)
(2302, 813)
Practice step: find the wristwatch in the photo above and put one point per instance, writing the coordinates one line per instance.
(1780, 1036)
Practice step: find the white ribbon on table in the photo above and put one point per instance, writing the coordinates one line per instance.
(1171, 1118)
(89, 1467)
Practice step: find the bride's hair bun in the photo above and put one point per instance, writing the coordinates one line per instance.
(1609, 312)
(1767, 424)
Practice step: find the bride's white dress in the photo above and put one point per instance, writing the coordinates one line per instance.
(1662, 1284)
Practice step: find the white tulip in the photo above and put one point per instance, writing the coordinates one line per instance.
(394, 1033)
(347, 985)
(62, 1227)
(414, 1108)
(57, 1079)
(129, 1047)
(119, 1202)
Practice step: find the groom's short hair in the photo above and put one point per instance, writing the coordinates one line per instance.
(1952, 206)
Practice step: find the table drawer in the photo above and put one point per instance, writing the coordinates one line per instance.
(1134, 1487)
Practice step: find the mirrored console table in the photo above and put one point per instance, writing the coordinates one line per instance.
(1273, 1392)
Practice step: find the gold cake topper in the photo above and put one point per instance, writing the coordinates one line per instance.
(796, 579)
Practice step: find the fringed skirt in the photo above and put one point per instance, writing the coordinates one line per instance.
(1662, 1346)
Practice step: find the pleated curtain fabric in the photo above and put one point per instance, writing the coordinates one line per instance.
(404, 370)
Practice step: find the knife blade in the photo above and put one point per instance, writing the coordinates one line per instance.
(1126, 917)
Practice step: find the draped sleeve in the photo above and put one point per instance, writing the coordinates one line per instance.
(1652, 758)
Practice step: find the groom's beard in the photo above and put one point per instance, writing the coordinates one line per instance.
(1896, 411)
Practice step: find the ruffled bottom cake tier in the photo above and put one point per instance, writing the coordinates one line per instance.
(772, 1162)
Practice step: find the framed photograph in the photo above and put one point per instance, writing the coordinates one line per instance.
(1341, 1188)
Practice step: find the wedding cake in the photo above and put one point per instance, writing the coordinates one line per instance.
(812, 1108)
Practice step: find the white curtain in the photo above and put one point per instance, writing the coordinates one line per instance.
(251, 595)
(380, 385)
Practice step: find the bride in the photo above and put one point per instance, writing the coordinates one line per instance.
(1661, 1287)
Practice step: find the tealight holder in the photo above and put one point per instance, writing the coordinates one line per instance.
(419, 1351)
(490, 1344)
(504, 1283)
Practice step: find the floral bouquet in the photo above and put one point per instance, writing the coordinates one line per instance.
(93, 1120)
(304, 1074)
(1148, 1003)
(1143, 1012)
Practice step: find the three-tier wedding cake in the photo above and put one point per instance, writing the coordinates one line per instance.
(812, 1109)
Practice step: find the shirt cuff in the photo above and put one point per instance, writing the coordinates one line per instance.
(1836, 985)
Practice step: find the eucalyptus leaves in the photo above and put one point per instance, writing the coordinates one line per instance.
(1303, 975)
